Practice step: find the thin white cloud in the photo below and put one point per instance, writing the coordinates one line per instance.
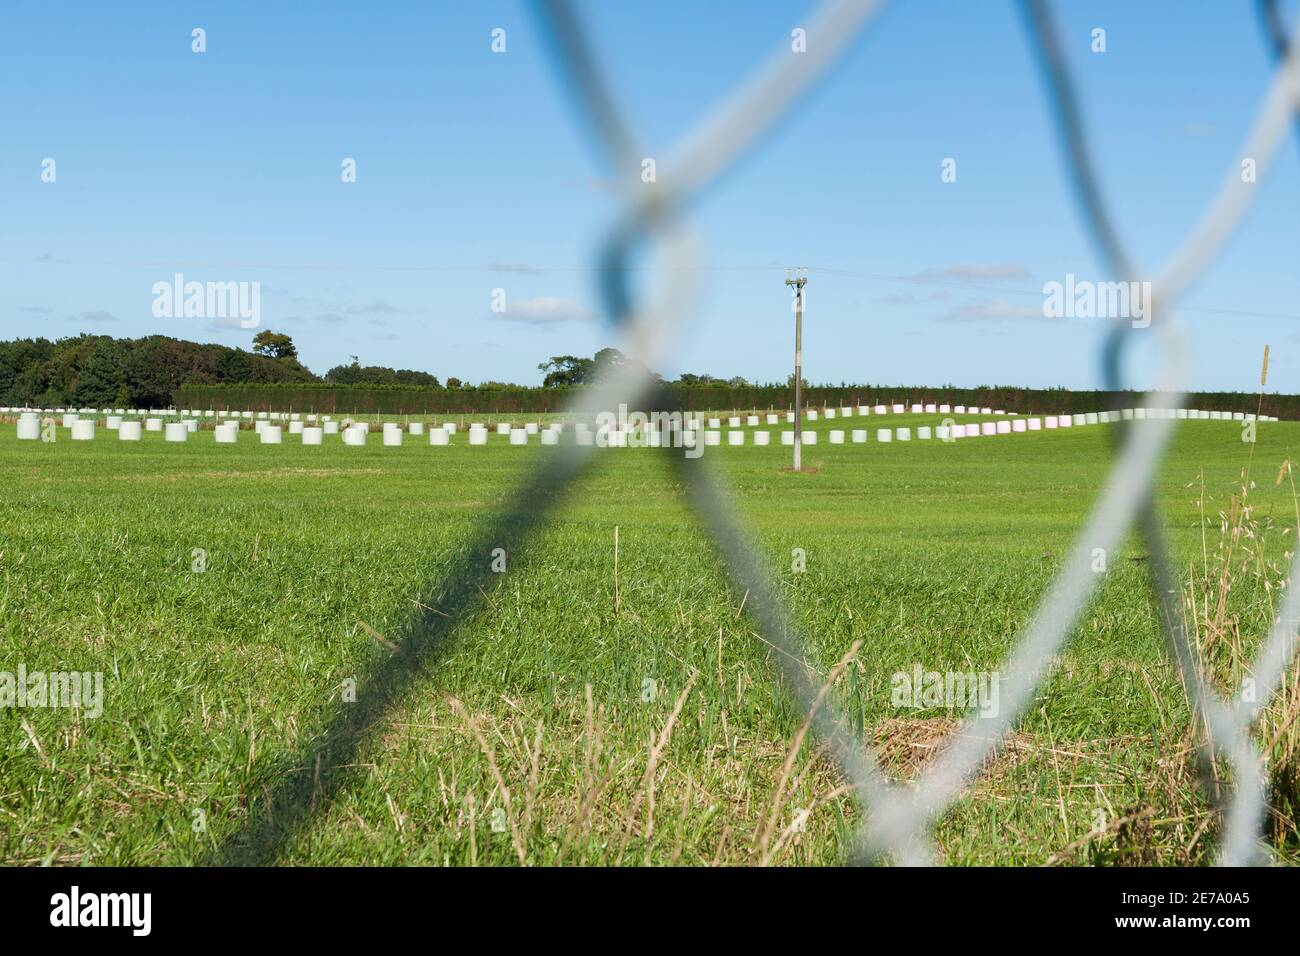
(95, 316)
(544, 310)
(991, 310)
(225, 324)
(378, 306)
(911, 298)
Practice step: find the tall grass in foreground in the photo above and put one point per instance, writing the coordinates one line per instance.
(1230, 601)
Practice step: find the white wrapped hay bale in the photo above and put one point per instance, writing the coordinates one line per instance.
(312, 435)
(176, 431)
(272, 435)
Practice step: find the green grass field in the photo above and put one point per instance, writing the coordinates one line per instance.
(553, 721)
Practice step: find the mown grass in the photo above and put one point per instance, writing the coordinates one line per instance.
(556, 721)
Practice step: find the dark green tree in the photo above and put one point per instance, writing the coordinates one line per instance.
(274, 345)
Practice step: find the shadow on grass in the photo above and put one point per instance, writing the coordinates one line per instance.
(300, 785)
(308, 779)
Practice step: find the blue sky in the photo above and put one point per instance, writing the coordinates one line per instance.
(473, 173)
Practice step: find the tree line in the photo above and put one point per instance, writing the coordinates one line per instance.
(157, 371)
(99, 371)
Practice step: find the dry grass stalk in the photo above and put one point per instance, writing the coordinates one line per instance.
(490, 754)
(778, 799)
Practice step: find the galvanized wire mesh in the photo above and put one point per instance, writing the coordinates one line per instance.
(896, 820)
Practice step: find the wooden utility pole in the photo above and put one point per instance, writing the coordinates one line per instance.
(796, 282)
